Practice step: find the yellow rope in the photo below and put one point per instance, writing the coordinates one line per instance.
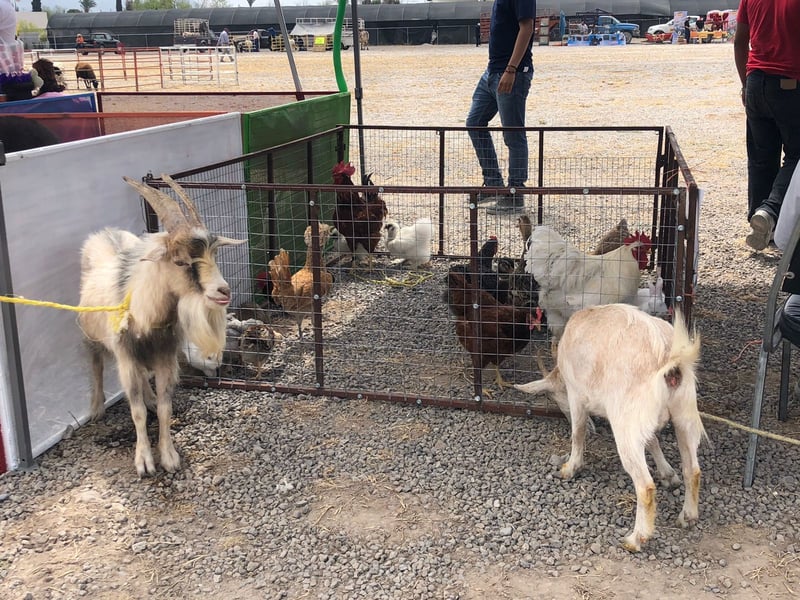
(120, 311)
(761, 432)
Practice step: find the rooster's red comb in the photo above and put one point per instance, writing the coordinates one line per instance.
(344, 168)
(639, 236)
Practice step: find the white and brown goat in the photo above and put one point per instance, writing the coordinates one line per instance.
(637, 371)
(175, 292)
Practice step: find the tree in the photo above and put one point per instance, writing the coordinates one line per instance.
(87, 5)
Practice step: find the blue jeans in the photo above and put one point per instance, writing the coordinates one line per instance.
(773, 124)
(486, 103)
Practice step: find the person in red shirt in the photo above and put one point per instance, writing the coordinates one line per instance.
(767, 56)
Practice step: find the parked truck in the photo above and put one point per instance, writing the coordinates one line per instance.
(99, 40)
(600, 21)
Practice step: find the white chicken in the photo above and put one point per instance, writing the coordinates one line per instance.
(571, 280)
(412, 243)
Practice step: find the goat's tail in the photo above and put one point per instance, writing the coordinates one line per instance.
(683, 354)
(279, 272)
(678, 373)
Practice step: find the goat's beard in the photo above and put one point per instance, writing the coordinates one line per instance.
(203, 324)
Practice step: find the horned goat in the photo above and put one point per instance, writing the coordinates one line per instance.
(173, 290)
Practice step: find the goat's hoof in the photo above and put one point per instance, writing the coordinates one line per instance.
(685, 520)
(670, 481)
(145, 465)
(171, 461)
(568, 471)
(633, 542)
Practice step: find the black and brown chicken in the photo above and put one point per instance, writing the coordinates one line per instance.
(488, 279)
(523, 287)
(491, 332)
(357, 217)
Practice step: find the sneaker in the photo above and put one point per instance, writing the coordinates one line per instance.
(761, 225)
(490, 196)
(506, 204)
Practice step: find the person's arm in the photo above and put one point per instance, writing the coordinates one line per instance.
(520, 48)
(741, 51)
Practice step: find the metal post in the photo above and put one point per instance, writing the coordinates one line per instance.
(292, 67)
(19, 408)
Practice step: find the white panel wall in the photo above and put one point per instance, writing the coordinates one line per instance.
(53, 198)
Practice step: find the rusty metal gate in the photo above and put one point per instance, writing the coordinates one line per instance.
(384, 331)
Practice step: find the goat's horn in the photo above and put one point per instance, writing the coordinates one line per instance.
(193, 216)
(168, 210)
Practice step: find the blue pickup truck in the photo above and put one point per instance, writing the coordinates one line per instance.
(599, 21)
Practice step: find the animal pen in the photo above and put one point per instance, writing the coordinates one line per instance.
(386, 333)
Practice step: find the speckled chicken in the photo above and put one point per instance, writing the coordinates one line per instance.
(256, 344)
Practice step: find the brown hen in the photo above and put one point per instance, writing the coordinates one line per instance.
(295, 293)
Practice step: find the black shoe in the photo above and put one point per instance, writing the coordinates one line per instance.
(506, 204)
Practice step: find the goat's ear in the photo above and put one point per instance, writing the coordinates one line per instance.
(225, 241)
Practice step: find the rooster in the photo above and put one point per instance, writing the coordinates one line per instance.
(493, 331)
(295, 293)
(571, 280)
(412, 243)
(358, 218)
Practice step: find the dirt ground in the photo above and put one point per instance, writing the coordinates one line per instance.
(693, 89)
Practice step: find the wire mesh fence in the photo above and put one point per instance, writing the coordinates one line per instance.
(362, 324)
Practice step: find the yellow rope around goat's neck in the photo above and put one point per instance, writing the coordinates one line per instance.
(760, 432)
(119, 312)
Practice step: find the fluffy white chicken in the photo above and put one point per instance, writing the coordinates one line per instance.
(412, 243)
(571, 280)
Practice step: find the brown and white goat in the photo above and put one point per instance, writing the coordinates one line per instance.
(637, 371)
(175, 293)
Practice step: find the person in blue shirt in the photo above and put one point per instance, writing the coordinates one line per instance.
(503, 88)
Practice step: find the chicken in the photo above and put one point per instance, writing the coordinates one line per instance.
(493, 331)
(358, 218)
(523, 287)
(488, 280)
(295, 293)
(255, 345)
(613, 238)
(412, 243)
(570, 280)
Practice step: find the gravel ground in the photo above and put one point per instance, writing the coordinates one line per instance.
(299, 497)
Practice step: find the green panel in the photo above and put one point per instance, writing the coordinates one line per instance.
(278, 125)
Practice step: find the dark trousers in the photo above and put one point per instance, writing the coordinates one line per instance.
(773, 126)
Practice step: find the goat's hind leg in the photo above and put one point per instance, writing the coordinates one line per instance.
(631, 454)
(689, 430)
(666, 474)
(166, 377)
